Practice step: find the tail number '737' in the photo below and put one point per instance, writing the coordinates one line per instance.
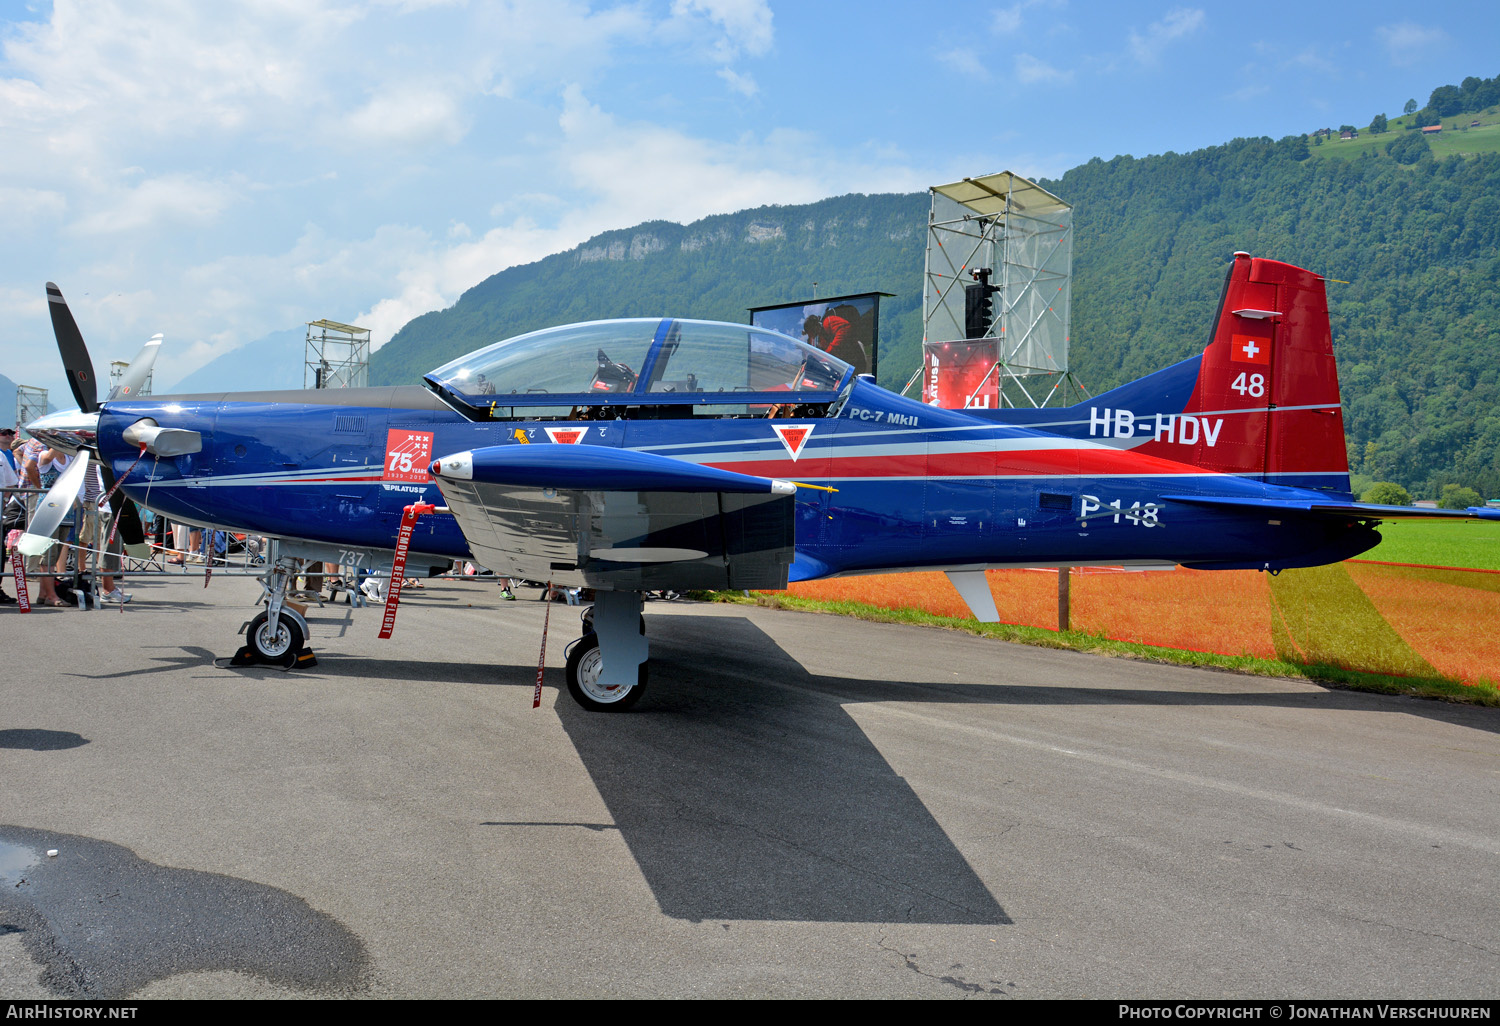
(1140, 514)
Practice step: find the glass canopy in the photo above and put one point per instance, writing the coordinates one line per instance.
(639, 362)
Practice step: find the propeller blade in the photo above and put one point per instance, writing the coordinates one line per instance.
(140, 368)
(53, 507)
(75, 355)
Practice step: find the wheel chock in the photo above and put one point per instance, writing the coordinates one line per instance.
(244, 657)
(304, 659)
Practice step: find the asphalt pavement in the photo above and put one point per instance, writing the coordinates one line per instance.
(800, 805)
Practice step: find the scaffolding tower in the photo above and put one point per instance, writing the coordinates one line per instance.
(31, 404)
(338, 356)
(996, 295)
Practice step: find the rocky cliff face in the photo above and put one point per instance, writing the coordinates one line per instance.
(734, 229)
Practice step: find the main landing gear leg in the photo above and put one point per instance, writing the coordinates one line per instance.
(607, 668)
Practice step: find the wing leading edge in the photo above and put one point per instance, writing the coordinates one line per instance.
(614, 519)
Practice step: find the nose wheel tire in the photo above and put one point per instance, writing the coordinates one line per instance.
(278, 644)
(584, 664)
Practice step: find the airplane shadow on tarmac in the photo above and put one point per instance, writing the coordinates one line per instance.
(745, 790)
(752, 801)
(747, 802)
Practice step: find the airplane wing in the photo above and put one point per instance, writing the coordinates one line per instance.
(1342, 510)
(599, 517)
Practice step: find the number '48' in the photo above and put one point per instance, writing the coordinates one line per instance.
(1250, 384)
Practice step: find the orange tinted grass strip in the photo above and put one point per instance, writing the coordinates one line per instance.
(1222, 611)
(1225, 611)
(1451, 624)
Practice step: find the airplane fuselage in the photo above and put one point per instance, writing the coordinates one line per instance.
(915, 486)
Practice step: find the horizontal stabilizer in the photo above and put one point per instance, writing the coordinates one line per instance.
(1342, 510)
(597, 468)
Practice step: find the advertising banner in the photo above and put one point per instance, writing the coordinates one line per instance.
(847, 327)
(959, 375)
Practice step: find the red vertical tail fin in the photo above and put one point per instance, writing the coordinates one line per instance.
(1266, 400)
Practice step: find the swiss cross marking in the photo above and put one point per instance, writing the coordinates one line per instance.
(408, 454)
(1249, 349)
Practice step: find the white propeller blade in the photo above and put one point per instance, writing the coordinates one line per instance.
(135, 375)
(53, 507)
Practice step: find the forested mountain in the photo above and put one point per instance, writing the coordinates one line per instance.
(1417, 238)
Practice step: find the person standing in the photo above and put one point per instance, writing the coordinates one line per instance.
(9, 478)
(40, 470)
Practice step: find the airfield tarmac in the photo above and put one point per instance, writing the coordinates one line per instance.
(801, 805)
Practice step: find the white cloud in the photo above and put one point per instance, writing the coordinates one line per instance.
(1030, 70)
(1250, 91)
(24, 205)
(409, 116)
(966, 62)
(167, 69)
(742, 84)
(433, 278)
(1407, 41)
(175, 198)
(687, 178)
(723, 31)
(365, 162)
(1008, 21)
(599, 160)
(1312, 60)
(1178, 24)
(744, 26)
(18, 303)
(230, 300)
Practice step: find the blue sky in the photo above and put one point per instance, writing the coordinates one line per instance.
(220, 171)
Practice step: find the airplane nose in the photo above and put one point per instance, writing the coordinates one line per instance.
(68, 430)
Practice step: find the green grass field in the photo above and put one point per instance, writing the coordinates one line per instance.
(1450, 142)
(1469, 544)
(1485, 139)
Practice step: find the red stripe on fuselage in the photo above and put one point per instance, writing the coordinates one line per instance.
(1008, 463)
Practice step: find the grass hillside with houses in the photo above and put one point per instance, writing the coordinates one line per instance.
(1458, 121)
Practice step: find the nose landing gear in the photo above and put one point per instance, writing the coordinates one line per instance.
(277, 635)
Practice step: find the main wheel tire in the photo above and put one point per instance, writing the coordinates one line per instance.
(584, 664)
(278, 645)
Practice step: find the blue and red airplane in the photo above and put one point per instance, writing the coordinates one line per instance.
(635, 455)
